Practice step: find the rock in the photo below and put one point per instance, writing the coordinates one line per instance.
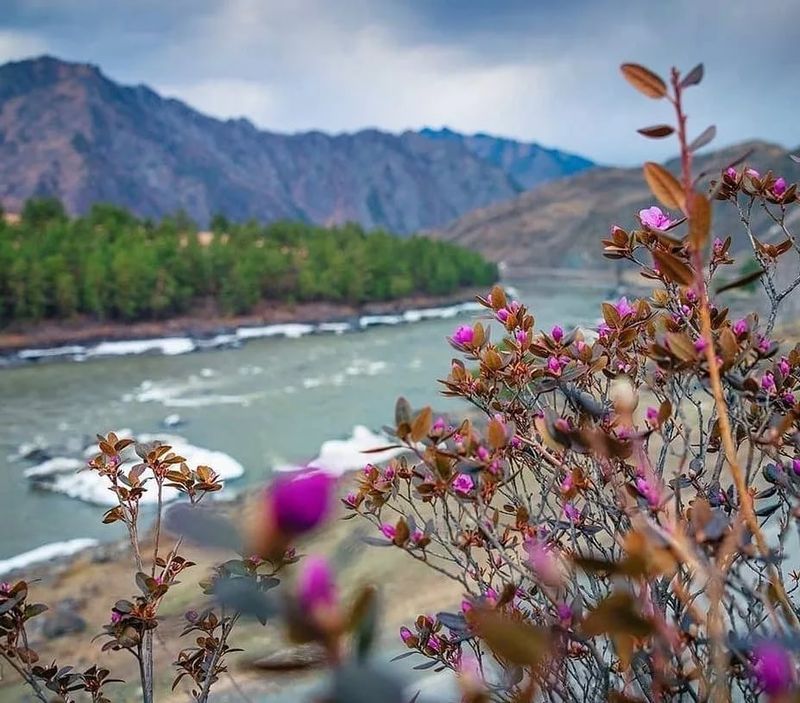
(62, 620)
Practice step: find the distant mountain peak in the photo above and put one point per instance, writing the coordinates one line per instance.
(68, 130)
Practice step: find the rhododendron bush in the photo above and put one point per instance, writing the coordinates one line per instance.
(623, 519)
(620, 510)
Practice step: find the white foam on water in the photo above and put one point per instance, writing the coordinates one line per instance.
(56, 465)
(335, 327)
(92, 488)
(292, 330)
(369, 320)
(338, 456)
(47, 552)
(169, 346)
(52, 352)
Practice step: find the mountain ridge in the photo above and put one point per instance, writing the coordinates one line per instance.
(68, 130)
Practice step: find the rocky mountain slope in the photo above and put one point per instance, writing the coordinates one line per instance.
(561, 223)
(68, 130)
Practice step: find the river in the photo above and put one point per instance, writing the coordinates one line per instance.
(270, 403)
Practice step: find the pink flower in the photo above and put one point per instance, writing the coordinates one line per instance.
(623, 307)
(796, 465)
(753, 173)
(648, 491)
(435, 643)
(301, 502)
(603, 330)
(773, 668)
(483, 453)
(730, 172)
(389, 531)
(554, 365)
(315, 585)
(439, 425)
(718, 244)
(567, 483)
(784, 367)
(116, 617)
(763, 344)
(571, 513)
(466, 606)
(564, 613)
(557, 333)
(652, 415)
(502, 315)
(654, 218)
(351, 500)
(700, 345)
(406, 635)
(522, 337)
(740, 327)
(789, 398)
(463, 335)
(768, 381)
(463, 484)
(417, 536)
(779, 187)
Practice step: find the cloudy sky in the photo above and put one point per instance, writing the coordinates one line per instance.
(542, 70)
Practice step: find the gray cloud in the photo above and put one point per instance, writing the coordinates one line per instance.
(544, 71)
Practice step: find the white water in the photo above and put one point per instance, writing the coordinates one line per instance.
(47, 552)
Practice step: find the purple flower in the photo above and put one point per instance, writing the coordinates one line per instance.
(389, 531)
(463, 484)
(564, 613)
(773, 668)
(483, 453)
(5, 587)
(652, 415)
(571, 512)
(315, 585)
(116, 617)
(603, 331)
(718, 244)
(740, 327)
(439, 425)
(623, 307)
(406, 635)
(351, 500)
(554, 365)
(190, 615)
(768, 381)
(730, 172)
(557, 333)
(700, 345)
(763, 344)
(522, 337)
(796, 466)
(300, 503)
(502, 314)
(784, 367)
(789, 398)
(463, 335)
(779, 187)
(753, 173)
(648, 491)
(654, 218)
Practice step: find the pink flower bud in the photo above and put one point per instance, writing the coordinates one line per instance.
(571, 513)
(773, 668)
(784, 367)
(315, 584)
(300, 502)
(740, 327)
(116, 617)
(700, 345)
(753, 173)
(768, 382)
(731, 173)
(389, 531)
(557, 333)
(779, 187)
(623, 307)
(406, 635)
(463, 335)
(483, 453)
(652, 415)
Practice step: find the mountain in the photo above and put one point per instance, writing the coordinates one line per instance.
(529, 165)
(562, 222)
(69, 131)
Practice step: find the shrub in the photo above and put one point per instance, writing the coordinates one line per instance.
(622, 519)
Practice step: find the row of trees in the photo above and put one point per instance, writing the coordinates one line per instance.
(111, 265)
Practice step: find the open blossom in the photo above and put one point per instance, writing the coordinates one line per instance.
(623, 307)
(603, 330)
(779, 187)
(571, 512)
(464, 334)
(315, 584)
(773, 668)
(300, 503)
(654, 218)
(463, 484)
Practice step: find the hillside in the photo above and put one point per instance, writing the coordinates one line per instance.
(561, 223)
(69, 131)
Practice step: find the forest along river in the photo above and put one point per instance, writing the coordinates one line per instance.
(273, 402)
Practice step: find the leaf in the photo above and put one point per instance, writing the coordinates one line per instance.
(202, 526)
(743, 281)
(673, 268)
(699, 221)
(496, 434)
(516, 642)
(664, 185)
(681, 346)
(402, 412)
(656, 131)
(705, 137)
(244, 596)
(693, 77)
(361, 683)
(422, 424)
(644, 80)
(617, 614)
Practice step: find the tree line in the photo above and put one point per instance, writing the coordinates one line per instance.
(112, 265)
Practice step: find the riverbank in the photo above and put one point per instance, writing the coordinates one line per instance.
(88, 584)
(207, 329)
